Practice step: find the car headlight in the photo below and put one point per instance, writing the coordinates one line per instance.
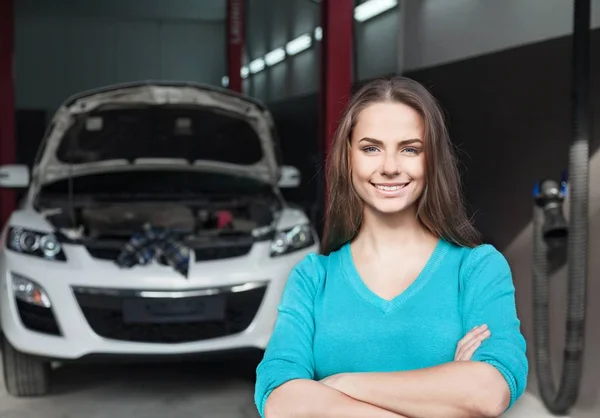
(293, 239)
(35, 243)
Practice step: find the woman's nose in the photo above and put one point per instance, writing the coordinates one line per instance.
(390, 166)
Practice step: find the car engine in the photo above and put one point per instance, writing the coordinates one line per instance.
(121, 220)
(210, 230)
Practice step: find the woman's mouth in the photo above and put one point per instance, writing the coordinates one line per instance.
(390, 188)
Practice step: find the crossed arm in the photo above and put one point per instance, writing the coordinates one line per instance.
(483, 387)
(452, 390)
(303, 398)
(458, 389)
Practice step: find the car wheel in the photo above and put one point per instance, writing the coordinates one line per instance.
(24, 374)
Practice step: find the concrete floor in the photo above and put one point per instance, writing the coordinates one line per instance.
(215, 390)
(172, 390)
(528, 406)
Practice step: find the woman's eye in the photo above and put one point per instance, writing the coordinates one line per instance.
(412, 150)
(369, 149)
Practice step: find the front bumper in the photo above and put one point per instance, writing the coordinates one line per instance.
(86, 315)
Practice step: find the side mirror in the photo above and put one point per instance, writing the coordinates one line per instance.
(14, 176)
(290, 177)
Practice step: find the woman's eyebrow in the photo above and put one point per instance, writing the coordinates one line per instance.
(378, 142)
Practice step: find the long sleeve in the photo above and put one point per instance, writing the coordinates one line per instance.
(289, 353)
(489, 298)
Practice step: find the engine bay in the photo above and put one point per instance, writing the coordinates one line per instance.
(133, 218)
(169, 233)
(121, 220)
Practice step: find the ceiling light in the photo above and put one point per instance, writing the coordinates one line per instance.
(225, 81)
(244, 72)
(299, 44)
(372, 8)
(275, 56)
(257, 65)
(318, 33)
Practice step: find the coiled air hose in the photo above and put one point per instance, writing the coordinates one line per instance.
(547, 223)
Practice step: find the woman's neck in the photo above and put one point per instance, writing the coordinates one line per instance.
(380, 233)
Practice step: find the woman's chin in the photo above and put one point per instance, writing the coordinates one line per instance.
(392, 208)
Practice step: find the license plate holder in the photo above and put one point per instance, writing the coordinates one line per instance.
(173, 310)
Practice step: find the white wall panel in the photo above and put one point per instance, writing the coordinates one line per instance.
(377, 46)
(91, 53)
(207, 10)
(143, 38)
(56, 56)
(41, 62)
(441, 31)
(193, 52)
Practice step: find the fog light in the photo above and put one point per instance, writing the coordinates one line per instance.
(30, 292)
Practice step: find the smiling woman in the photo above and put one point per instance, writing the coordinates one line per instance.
(400, 127)
(388, 173)
(406, 313)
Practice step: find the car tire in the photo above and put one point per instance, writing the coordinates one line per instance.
(24, 375)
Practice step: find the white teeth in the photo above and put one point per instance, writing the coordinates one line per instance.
(391, 188)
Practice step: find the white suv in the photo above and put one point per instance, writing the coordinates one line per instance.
(152, 224)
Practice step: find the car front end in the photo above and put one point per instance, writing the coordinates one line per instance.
(80, 302)
(153, 226)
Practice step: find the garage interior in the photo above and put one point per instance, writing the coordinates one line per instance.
(506, 73)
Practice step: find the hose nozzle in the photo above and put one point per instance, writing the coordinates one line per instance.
(550, 196)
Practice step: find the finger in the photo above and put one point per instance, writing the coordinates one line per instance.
(467, 351)
(463, 354)
(478, 334)
(472, 335)
(464, 340)
(474, 332)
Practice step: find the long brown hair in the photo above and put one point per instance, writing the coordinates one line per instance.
(441, 206)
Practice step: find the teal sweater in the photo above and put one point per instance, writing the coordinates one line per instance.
(330, 322)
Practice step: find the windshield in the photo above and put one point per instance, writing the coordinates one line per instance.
(161, 132)
(154, 184)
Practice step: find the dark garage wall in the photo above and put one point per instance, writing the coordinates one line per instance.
(509, 114)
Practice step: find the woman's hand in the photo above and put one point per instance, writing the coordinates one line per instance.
(471, 342)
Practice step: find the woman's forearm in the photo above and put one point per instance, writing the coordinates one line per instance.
(453, 390)
(309, 399)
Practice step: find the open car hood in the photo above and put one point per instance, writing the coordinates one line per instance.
(154, 125)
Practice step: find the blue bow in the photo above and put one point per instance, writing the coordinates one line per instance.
(155, 244)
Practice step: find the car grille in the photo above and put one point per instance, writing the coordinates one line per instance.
(104, 313)
(37, 318)
(201, 254)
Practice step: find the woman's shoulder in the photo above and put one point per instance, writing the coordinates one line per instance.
(485, 253)
(305, 278)
(314, 266)
(481, 260)
(471, 255)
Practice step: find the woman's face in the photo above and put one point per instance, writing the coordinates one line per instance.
(387, 158)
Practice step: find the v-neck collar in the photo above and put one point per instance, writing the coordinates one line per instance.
(351, 273)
